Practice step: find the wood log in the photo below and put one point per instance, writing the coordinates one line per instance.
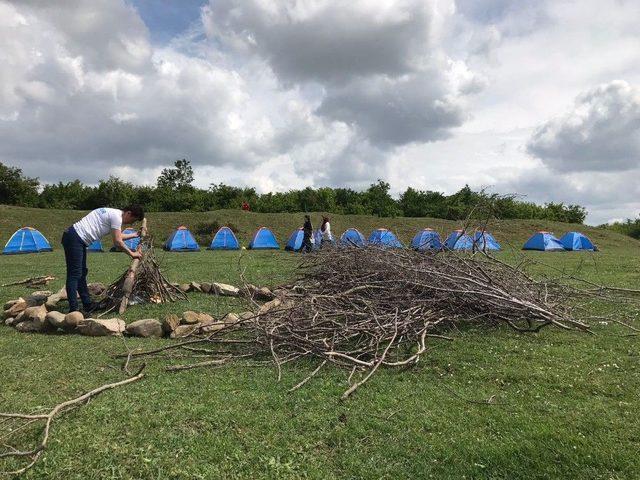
(131, 275)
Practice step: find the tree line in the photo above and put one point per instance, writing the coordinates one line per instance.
(174, 192)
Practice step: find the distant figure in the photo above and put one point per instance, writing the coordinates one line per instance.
(307, 236)
(325, 229)
(246, 207)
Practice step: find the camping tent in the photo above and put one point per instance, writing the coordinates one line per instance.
(458, 240)
(295, 240)
(577, 241)
(544, 241)
(181, 240)
(132, 243)
(26, 240)
(224, 239)
(485, 241)
(263, 239)
(95, 247)
(426, 239)
(385, 238)
(352, 238)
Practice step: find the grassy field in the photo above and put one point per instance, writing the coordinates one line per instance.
(566, 404)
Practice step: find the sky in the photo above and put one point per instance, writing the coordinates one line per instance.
(539, 99)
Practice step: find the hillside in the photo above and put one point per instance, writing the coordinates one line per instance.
(510, 232)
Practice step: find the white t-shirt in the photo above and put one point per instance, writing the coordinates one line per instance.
(98, 223)
(326, 233)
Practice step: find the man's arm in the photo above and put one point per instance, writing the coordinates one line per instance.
(127, 236)
(118, 240)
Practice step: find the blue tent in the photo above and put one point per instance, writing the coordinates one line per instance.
(544, 241)
(27, 240)
(458, 240)
(264, 239)
(224, 239)
(181, 240)
(577, 241)
(95, 247)
(132, 243)
(384, 237)
(485, 241)
(352, 238)
(426, 239)
(295, 240)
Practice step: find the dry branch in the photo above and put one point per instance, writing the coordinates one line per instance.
(27, 419)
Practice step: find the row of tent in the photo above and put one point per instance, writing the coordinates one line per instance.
(30, 240)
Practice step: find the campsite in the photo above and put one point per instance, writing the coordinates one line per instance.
(560, 403)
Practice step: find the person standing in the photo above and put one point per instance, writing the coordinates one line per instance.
(325, 230)
(84, 232)
(307, 235)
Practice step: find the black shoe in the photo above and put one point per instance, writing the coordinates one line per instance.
(89, 309)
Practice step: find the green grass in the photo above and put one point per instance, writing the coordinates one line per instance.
(566, 403)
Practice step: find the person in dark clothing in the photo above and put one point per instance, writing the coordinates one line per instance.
(76, 238)
(307, 231)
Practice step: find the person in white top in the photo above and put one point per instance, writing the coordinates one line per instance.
(325, 229)
(76, 239)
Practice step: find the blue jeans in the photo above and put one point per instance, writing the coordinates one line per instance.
(75, 254)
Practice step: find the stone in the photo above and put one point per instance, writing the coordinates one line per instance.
(184, 331)
(56, 319)
(196, 287)
(53, 300)
(10, 303)
(72, 320)
(34, 320)
(246, 315)
(206, 287)
(16, 308)
(225, 290)
(190, 318)
(10, 321)
(170, 323)
(230, 319)
(148, 327)
(276, 302)
(262, 294)
(98, 327)
(184, 287)
(39, 297)
(96, 288)
(212, 327)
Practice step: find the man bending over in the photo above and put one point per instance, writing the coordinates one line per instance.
(80, 235)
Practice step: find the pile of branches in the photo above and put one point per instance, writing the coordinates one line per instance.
(149, 283)
(363, 308)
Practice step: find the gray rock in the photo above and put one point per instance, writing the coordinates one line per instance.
(247, 315)
(10, 303)
(39, 297)
(10, 321)
(19, 306)
(184, 331)
(184, 287)
(148, 327)
(225, 290)
(72, 320)
(170, 323)
(97, 327)
(196, 287)
(230, 319)
(33, 319)
(56, 319)
(206, 287)
(189, 318)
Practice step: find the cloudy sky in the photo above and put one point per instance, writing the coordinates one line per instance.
(539, 98)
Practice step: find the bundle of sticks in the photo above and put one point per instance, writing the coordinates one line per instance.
(363, 308)
(143, 282)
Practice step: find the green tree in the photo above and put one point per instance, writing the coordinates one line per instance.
(17, 189)
(379, 202)
(180, 177)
